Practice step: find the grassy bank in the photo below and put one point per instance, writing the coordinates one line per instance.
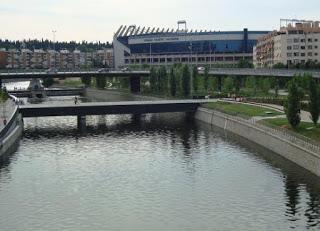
(242, 110)
(304, 128)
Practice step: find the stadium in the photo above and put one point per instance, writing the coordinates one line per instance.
(135, 45)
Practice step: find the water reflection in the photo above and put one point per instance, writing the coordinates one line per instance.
(170, 166)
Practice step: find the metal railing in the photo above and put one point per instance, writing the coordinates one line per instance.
(285, 134)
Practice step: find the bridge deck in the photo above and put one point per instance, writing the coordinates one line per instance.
(105, 108)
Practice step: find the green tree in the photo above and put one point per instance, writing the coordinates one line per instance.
(244, 63)
(153, 80)
(86, 81)
(195, 79)
(314, 108)
(228, 85)
(206, 79)
(293, 105)
(266, 85)
(162, 80)
(101, 82)
(185, 81)
(173, 83)
(47, 82)
(279, 66)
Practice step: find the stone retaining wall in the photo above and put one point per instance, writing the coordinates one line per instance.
(302, 156)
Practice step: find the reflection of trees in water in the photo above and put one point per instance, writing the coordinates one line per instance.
(293, 198)
(312, 213)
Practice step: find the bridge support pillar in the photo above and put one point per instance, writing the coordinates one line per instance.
(81, 121)
(134, 84)
(0, 83)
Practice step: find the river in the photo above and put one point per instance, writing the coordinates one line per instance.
(160, 172)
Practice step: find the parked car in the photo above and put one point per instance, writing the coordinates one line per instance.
(125, 69)
(103, 70)
(201, 68)
(52, 70)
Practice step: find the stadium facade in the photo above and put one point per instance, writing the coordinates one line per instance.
(154, 46)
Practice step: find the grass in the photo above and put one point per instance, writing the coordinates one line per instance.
(71, 83)
(242, 110)
(306, 129)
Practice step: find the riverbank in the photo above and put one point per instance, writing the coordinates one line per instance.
(301, 152)
(11, 129)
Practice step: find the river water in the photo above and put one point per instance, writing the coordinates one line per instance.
(159, 172)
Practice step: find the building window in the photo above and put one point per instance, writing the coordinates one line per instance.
(316, 40)
(310, 47)
(289, 41)
(303, 54)
(289, 54)
(295, 40)
(296, 54)
(315, 54)
(303, 40)
(295, 47)
(309, 40)
(309, 53)
(303, 47)
(289, 47)
(315, 47)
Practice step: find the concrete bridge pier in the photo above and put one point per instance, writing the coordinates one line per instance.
(135, 84)
(81, 121)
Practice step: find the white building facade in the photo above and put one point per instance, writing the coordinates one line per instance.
(297, 43)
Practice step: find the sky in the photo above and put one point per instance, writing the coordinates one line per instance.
(98, 20)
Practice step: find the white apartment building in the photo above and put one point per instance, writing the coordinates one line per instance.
(296, 43)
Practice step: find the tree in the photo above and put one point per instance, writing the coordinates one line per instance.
(173, 83)
(101, 82)
(86, 81)
(206, 78)
(47, 82)
(266, 85)
(153, 80)
(314, 108)
(195, 79)
(244, 63)
(185, 81)
(162, 80)
(279, 66)
(293, 105)
(228, 85)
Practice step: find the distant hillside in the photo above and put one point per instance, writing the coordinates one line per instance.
(83, 46)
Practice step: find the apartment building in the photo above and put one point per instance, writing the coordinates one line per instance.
(63, 59)
(298, 42)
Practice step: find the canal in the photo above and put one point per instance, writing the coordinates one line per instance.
(159, 172)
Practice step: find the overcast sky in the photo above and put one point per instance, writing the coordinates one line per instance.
(95, 20)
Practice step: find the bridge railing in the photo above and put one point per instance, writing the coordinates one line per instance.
(285, 134)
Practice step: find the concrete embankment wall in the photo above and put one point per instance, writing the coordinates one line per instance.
(11, 134)
(302, 156)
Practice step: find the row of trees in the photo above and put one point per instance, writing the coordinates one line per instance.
(310, 64)
(46, 44)
(298, 88)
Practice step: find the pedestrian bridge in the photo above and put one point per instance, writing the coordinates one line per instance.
(107, 108)
(49, 92)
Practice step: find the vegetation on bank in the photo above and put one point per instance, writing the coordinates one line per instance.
(305, 128)
(242, 110)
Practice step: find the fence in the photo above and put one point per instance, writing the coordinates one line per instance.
(285, 134)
